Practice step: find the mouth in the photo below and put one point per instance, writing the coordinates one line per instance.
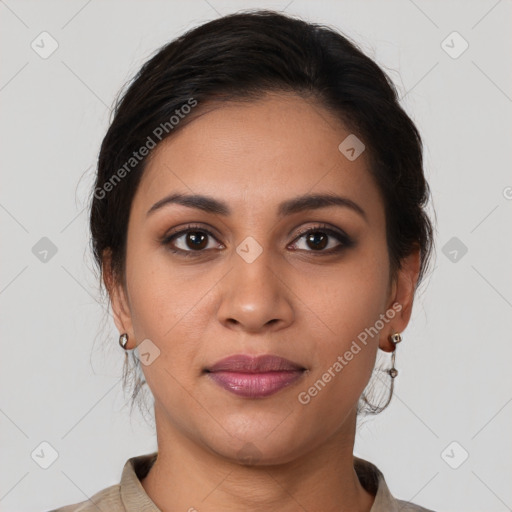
(254, 377)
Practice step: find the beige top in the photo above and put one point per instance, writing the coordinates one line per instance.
(129, 495)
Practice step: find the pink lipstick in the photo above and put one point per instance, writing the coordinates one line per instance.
(255, 377)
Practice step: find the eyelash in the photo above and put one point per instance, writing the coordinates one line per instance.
(342, 237)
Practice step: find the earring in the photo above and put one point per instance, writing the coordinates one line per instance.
(394, 338)
(123, 340)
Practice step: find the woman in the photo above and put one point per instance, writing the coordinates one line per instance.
(258, 219)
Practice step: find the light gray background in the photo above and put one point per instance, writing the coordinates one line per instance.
(454, 362)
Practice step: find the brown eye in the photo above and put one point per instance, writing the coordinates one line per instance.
(196, 240)
(322, 240)
(193, 239)
(317, 240)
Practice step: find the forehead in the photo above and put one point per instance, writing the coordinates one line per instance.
(257, 152)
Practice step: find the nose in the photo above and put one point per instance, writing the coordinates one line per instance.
(255, 297)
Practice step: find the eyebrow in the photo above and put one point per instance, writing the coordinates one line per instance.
(290, 206)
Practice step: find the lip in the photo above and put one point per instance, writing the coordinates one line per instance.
(254, 364)
(255, 377)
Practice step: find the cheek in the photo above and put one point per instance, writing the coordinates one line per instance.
(352, 297)
(343, 364)
(171, 306)
(350, 307)
(159, 293)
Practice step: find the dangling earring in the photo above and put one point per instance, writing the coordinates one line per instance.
(123, 340)
(393, 372)
(395, 338)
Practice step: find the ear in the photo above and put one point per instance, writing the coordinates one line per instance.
(118, 298)
(401, 298)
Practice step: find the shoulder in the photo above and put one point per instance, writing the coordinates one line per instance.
(373, 481)
(127, 494)
(106, 499)
(407, 506)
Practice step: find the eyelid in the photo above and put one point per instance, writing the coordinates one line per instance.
(342, 237)
(190, 227)
(321, 227)
(178, 233)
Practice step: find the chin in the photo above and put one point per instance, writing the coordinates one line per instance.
(259, 451)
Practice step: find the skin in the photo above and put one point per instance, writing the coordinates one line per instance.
(299, 304)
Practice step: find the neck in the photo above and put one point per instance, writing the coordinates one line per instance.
(186, 476)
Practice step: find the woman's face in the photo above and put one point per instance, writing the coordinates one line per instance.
(256, 285)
